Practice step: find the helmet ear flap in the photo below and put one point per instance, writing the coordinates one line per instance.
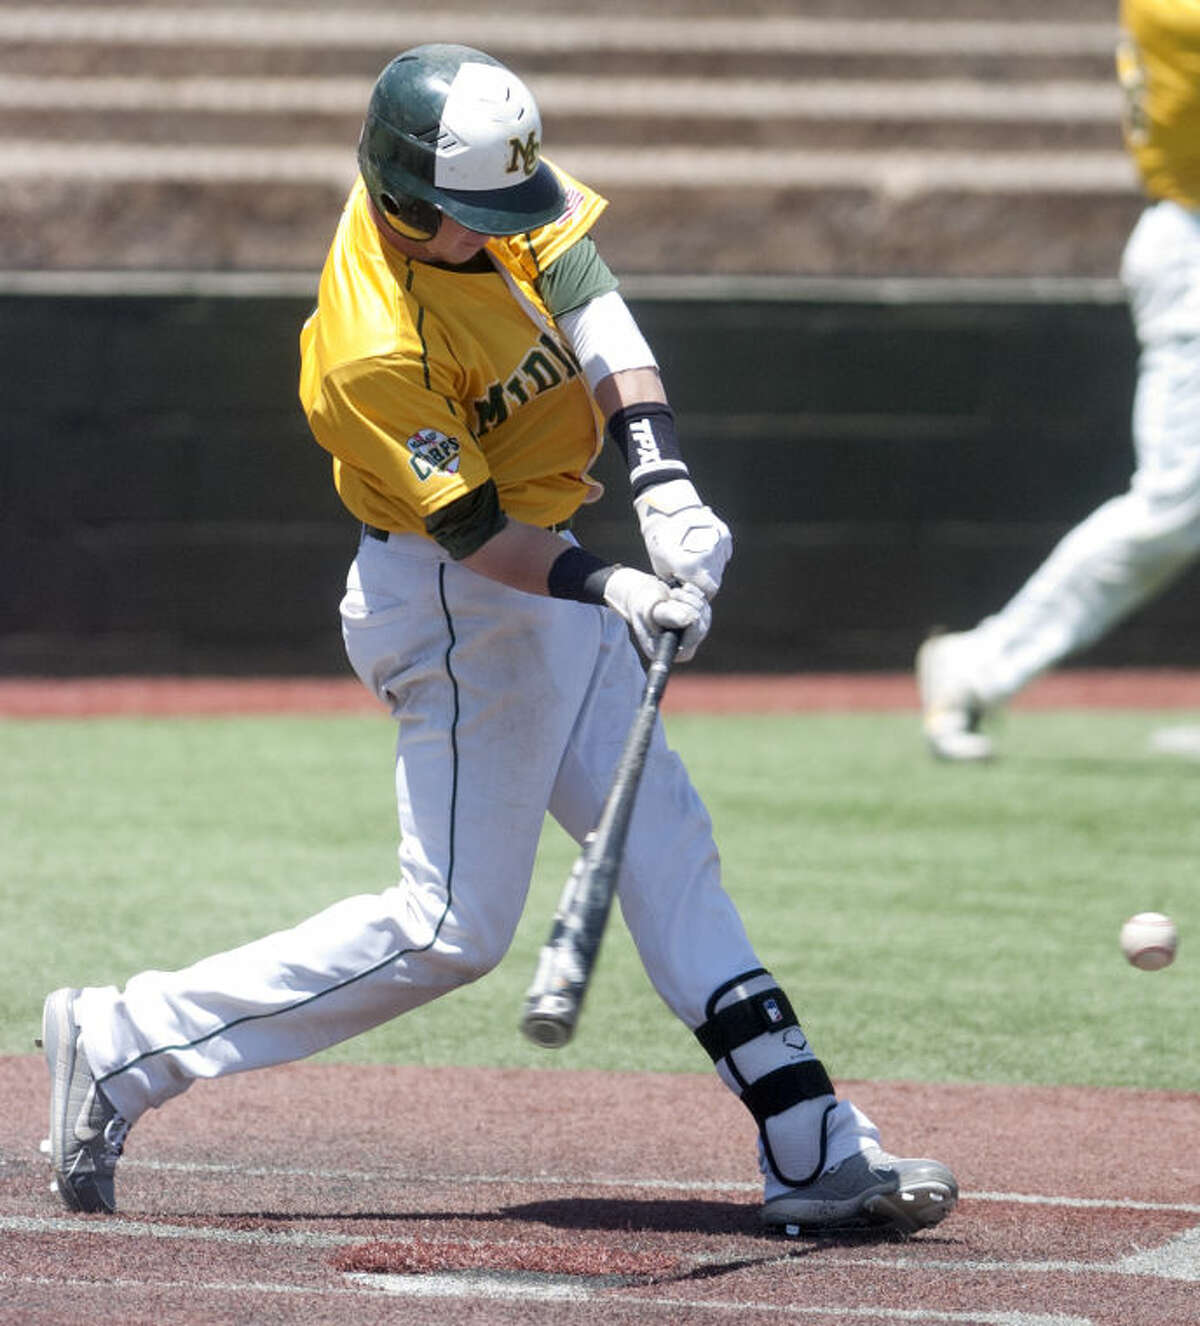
(414, 218)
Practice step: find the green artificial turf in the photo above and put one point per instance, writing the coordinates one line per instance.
(929, 922)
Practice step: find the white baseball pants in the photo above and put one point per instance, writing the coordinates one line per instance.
(507, 704)
(1132, 547)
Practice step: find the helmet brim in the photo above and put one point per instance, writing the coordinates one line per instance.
(535, 202)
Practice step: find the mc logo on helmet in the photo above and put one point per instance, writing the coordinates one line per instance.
(526, 151)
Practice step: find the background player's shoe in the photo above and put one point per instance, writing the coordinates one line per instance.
(86, 1132)
(871, 1192)
(951, 712)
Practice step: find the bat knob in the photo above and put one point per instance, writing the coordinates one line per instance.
(548, 1021)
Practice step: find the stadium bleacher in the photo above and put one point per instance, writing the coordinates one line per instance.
(836, 137)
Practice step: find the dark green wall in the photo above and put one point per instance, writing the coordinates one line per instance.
(885, 466)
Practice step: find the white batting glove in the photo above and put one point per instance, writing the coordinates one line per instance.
(686, 540)
(651, 607)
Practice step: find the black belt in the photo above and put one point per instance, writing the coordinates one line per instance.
(374, 532)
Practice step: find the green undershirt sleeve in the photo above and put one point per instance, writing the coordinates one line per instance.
(574, 278)
(465, 525)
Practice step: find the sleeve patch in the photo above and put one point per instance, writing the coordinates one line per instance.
(433, 453)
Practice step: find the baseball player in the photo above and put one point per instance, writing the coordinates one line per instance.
(468, 352)
(1129, 549)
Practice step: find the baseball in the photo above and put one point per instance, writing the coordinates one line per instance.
(1149, 940)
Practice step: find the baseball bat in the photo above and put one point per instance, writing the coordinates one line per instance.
(564, 970)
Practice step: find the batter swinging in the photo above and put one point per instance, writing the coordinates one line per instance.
(467, 352)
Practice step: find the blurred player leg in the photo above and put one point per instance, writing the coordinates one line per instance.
(1127, 551)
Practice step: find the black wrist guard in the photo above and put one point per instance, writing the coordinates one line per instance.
(580, 575)
(645, 436)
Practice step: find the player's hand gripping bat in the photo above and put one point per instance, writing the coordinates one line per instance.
(564, 969)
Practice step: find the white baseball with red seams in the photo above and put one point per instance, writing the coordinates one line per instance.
(1149, 940)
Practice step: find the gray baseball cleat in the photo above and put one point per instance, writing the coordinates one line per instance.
(951, 712)
(86, 1132)
(871, 1192)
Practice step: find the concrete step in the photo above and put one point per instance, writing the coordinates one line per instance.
(803, 224)
(564, 132)
(748, 11)
(687, 169)
(816, 65)
(398, 25)
(937, 114)
(78, 40)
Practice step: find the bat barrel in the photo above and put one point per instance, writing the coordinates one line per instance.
(553, 1001)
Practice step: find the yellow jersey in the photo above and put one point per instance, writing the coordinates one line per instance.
(1158, 64)
(424, 381)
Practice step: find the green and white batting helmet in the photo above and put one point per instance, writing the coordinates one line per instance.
(450, 130)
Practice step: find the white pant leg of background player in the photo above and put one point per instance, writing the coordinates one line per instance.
(484, 719)
(1130, 548)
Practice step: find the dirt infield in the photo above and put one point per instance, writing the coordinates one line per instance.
(78, 697)
(323, 1193)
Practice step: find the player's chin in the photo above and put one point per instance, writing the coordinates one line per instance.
(456, 244)
(468, 249)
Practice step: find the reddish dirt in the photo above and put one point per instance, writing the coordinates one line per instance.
(632, 1197)
(76, 697)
